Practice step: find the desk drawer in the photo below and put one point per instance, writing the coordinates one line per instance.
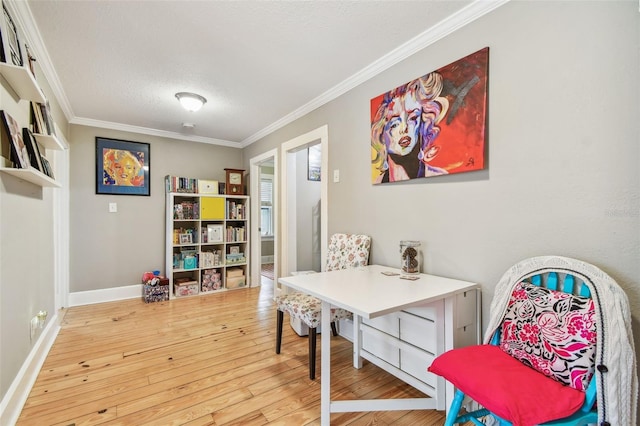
(416, 365)
(386, 323)
(429, 311)
(381, 345)
(419, 332)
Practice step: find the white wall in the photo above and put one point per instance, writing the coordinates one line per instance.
(562, 157)
(27, 270)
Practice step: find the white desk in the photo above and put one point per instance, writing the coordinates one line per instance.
(368, 293)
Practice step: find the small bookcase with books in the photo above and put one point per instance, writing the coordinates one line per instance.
(207, 243)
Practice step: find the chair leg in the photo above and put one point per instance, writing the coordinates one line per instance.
(312, 353)
(280, 319)
(333, 328)
(454, 409)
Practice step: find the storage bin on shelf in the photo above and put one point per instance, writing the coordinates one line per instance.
(235, 278)
(211, 280)
(185, 287)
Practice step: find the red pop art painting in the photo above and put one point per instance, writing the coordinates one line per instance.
(433, 125)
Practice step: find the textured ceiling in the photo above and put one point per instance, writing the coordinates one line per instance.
(120, 63)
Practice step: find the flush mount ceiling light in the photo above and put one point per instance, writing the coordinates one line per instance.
(191, 101)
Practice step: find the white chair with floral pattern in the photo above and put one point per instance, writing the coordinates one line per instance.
(345, 251)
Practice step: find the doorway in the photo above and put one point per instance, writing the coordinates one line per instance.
(264, 223)
(289, 201)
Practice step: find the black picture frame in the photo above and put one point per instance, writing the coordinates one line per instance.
(11, 50)
(122, 167)
(32, 148)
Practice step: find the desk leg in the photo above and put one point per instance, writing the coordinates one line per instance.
(449, 330)
(357, 341)
(325, 359)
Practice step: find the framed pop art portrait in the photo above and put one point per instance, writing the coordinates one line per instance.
(122, 167)
(433, 125)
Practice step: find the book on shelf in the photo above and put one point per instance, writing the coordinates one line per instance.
(41, 118)
(181, 184)
(236, 233)
(236, 211)
(48, 119)
(39, 125)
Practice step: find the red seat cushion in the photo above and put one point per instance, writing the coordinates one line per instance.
(505, 386)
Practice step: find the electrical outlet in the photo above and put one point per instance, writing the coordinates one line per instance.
(113, 207)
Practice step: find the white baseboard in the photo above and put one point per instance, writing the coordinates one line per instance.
(105, 295)
(266, 259)
(17, 394)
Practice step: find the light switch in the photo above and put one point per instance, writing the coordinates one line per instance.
(336, 176)
(113, 207)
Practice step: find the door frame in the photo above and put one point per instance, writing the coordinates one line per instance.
(256, 247)
(287, 198)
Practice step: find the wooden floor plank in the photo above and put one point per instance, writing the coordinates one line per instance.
(198, 361)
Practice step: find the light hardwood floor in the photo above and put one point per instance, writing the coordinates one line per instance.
(206, 360)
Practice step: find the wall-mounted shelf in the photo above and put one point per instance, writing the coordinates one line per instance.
(22, 82)
(31, 175)
(49, 141)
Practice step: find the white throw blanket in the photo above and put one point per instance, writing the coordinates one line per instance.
(617, 387)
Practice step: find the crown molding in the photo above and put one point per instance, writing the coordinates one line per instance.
(445, 27)
(454, 22)
(152, 132)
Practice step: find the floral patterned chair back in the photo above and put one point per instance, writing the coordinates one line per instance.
(348, 251)
(344, 251)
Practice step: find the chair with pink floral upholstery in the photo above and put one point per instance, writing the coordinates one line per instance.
(558, 340)
(344, 251)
